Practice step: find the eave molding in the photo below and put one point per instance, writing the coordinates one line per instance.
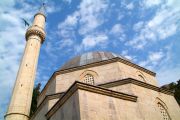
(116, 59)
(82, 86)
(136, 82)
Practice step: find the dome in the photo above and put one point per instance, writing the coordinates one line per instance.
(88, 58)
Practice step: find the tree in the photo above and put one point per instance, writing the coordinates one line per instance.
(36, 92)
(175, 88)
(177, 92)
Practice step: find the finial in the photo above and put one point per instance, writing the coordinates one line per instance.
(42, 9)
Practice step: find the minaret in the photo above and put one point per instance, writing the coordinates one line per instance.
(19, 107)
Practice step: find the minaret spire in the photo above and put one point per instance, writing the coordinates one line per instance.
(42, 9)
(19, 107)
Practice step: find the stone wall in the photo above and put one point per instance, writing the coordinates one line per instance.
(40, 115)
(103, 74)
(69, 110)
(128, 71)
(101, 107)
(147, 102)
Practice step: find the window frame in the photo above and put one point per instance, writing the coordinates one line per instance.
(88, 79)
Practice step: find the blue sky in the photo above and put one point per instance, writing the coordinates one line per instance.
(145, 31)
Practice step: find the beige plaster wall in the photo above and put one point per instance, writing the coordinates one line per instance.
(52, 102)
(101, 107)
(128, 71)
(173, 107)
(69, 110)
(105, 73)
(147, 105)
(126, 88)
(44, 109)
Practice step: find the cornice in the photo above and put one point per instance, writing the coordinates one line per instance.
(135, 82)
(116, 59)
(82, 86)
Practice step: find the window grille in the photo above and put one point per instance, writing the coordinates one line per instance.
(89, 79)
(164, 113)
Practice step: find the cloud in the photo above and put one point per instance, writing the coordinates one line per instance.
(168, 73)
(116, 29)
(11, 48)
(153, 59)
(65, 42)
(126, 54)
(92, 25)
(138, 26)
(163, 25)
(70, 21)
(151, 3)
(12, 43)
(92, 41)
(158, 58)
(51, 7)
(91, 15)
(86, 20)
(5, 4)
(68, 1)
(130, 6)
(88, 16)
(120, 16)
(118, 32)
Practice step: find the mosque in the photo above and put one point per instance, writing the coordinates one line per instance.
(93, 86)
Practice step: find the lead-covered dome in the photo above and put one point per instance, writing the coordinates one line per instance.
(88, 58)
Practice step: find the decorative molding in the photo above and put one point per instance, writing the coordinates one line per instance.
(158, 100)
(17, 114)
(136, 82)
(91, 72)
(116, 59)
(141, 76)
(36, 30)
(82, 86)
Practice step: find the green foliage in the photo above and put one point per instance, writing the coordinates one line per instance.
(175, 88)
(36, 92)
(177, 92)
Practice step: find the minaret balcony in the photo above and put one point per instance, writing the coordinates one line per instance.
(36, 30)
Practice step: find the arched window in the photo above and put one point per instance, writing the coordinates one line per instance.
(89, 79)
(163, 111)
(141, 78)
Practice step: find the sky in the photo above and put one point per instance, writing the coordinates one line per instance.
(145, 31)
